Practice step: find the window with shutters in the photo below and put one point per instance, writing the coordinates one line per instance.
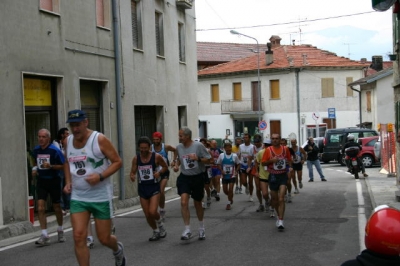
(91, 103)
(237, 91)
(274, 89)
(327, 89)
(368, 102)
(103, 14)
(136, 11)
(50, 5)
(349, 90)
(215, 93)
(159, 33)
(181, 36)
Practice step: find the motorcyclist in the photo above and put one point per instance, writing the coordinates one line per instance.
(382, 239)
(351, 143)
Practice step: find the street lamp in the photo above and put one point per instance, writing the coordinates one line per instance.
(258, 71)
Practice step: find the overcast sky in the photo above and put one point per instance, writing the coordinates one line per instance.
(354, 36)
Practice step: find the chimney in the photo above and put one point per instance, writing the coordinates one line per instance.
(304, 59)
(377, 62)
(269, 55)
(275, 41)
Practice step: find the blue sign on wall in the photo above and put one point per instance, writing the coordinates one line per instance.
(331, 113)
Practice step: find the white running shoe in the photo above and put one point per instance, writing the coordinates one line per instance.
(296, 191)
(163, 232)
(202, 234)
(43, 241)
(271, 212)
(300, 185)
(251, 198)
(90, 242)
(186, 235)
(280, 225)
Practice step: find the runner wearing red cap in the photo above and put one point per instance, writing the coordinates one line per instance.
(163, 150)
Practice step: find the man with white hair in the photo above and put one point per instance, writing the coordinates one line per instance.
(49, 160)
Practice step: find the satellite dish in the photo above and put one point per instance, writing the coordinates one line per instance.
(382, 5)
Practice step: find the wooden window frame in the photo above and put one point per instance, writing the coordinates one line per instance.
(50, 6)
(182, 42)
(237, 91)
(350, 92)
(103, 14)
(368, 102)
(159, 33)
(327, 88)
(212, 88)
(271, 89)
(136, 19)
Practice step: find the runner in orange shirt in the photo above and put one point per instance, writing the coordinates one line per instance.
(275, 160)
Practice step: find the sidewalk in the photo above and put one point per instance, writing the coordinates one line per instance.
(23, 231)
(382, 189)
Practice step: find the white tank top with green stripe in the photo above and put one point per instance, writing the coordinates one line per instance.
(83, 162)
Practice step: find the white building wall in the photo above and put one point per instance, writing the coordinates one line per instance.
(41, 43)
(217, 125)
(152, 80)
(286, 109)
(382, 108)
(383, 96)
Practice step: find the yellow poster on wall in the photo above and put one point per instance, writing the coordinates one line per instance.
(37, 92)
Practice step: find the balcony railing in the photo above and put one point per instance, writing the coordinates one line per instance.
(245, 106)
(185, 4)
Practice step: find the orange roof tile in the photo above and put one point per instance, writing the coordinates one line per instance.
(285, 56)
(223, 52)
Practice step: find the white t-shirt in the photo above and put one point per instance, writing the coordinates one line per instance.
(245, 152)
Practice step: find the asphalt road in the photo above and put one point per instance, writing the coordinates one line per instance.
(321, 229)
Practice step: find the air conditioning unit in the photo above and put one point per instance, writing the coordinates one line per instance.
(185, 4)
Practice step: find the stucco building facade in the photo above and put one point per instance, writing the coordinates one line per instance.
(67, 55)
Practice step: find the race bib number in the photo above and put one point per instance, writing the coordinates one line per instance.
(79, 164)
(146, 172)
(280, 165)
(189, 163)
(209, 172)
(297, 159)
(228, 169)
(42, 159)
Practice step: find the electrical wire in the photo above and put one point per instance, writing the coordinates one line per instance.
(287, 23)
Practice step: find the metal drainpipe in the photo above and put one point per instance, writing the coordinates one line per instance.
(118, 95)
(359, 102)
(297, 72)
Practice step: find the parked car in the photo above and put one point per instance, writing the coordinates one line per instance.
(367, 154)
(336, 138)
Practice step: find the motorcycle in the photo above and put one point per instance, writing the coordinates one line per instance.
(352, 155)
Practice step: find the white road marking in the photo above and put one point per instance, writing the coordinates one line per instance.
(362, 220)
(70, 229)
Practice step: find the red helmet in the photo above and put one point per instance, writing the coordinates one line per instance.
(382, 232)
